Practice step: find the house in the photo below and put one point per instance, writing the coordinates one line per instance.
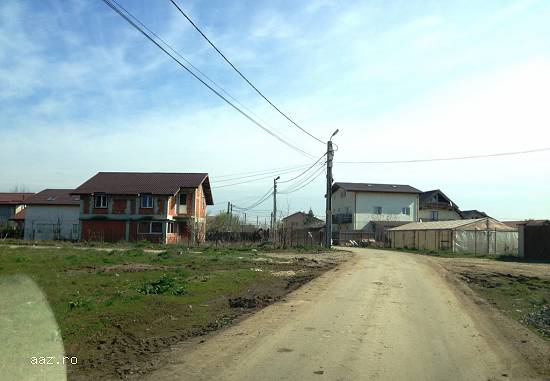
(534, 239)
(356, 205)
(301, 220)
(470, 214)
(477, 236)
(436, 206)
(135, 206)
(11, 204)
(52, 214)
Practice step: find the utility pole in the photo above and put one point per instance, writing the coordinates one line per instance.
(275, 207)
(328, 216)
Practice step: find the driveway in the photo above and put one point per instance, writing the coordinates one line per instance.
(381, 315)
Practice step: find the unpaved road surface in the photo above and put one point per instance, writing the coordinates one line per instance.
(379, 316)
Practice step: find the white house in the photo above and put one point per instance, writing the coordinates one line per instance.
(52, 214)
(359, 206)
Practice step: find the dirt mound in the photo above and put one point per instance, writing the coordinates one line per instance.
(251, 302)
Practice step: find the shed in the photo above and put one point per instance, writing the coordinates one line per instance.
(534, 240)
(477, 236)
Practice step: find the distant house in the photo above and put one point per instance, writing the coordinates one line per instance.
(436, 206)
(355, 206)
(301, 220)
(11, 204)
(473, 214)
(135, 206)
(52, 214)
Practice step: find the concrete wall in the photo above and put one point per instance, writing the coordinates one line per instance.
(391, 203)
(42, 220)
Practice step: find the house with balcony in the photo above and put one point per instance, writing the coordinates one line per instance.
(136, 206)
(436, 206)
(368, 206)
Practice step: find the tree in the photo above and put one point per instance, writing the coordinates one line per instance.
(223, 222)
(309, 218)
(19, 188)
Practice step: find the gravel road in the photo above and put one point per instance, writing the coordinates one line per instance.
(381, 315)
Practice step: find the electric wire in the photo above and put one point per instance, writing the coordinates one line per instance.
(241, 74)
(111, 4)
(301, 174)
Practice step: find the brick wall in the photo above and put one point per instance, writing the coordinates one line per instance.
(103, 230)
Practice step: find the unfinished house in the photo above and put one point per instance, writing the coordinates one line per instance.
(479, 236)
(136, 206)
(436, 206)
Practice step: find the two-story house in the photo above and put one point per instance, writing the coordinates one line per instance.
(135, 206)
(436, 206)
(356, 206)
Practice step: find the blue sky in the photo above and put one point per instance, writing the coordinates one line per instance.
(82, 92)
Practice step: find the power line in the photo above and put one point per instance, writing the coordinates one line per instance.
(241, 74)
(290, 170)
(299, 184)
(111, 3)
(252, 180)
(261, 172)
(301, 174)
(307, 183)
(448, 158)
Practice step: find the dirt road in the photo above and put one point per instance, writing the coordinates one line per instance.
(380, 316)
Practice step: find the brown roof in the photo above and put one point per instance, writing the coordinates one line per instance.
(54, 197)
(14, 198)
(370, 187)
(130, 183)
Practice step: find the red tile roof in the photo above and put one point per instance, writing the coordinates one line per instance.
(54, 197)
(371, 187)
(14, 198)
(130, 183)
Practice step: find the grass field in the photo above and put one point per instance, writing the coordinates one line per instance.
(118, 306)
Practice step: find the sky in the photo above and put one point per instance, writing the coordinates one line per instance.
(83, 92)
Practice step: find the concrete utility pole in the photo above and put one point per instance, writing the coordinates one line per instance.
(328, 216)
(275, 207)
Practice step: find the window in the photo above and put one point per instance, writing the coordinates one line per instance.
(183, 198)
(100, 201)
(156, 227)
(170, 227)
(343, 194)
(377, 210)
(146, 201)
(150, 227)
(434, 215)
(406, 211)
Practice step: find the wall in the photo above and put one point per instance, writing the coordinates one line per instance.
(63, 215)
(391, 203)
(6, 212)
(103, 230)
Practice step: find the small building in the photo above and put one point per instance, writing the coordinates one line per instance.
(436, 206)
(11, 204)
(473, 214)
(135, 206)
(52, 214)
(301, 220)
(355, 205)
(534, 239)
(478, 236)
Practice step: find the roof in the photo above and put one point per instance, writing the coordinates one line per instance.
(454, 224)
(135, 183)
(13, 198)
(533, 222)
(468, 214)
(371, 187)
(54, 197)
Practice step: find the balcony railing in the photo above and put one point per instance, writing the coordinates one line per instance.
(342, 218)
(437, 205)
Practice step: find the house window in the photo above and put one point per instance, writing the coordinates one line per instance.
(150, 227)
(146, 201)
(100, 201)
(377, 210)
(183, 198)
(434, 215)
(406, 211)
(170, 227)
(343, 194)
(156, 227)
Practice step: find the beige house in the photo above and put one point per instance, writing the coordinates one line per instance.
(436, 206)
